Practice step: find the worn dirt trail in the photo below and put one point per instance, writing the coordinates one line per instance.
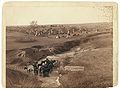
(50, 82)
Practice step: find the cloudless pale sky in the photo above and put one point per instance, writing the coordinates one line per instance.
(23, 15)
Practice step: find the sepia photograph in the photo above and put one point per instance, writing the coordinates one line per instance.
(59, 44)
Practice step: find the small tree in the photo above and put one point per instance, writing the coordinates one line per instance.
(33, 26)
(33, 23)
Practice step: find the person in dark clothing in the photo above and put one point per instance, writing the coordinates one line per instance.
(47, 67)
(40, 67)
(45, 70)
(35, 68)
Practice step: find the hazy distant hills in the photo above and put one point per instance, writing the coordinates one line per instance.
(87, 25)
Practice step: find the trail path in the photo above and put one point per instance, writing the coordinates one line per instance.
(50, 82)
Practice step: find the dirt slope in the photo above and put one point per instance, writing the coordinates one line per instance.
(93, 52)
(18, 79)
(96, 57)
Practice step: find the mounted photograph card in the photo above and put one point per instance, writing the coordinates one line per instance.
(60, 44)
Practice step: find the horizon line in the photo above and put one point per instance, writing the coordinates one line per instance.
(59, 24)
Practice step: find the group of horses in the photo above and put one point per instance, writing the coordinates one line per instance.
(43, 69)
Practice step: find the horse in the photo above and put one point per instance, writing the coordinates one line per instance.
(29, 68)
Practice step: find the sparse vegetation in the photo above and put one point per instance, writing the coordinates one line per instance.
(26, 44)
(61, 30)
(21, 80)
(25, 40)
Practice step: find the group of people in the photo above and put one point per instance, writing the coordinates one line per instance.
(44, 68)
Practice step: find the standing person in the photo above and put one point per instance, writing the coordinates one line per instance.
(35, 68)
(45, 70)
(41, 67)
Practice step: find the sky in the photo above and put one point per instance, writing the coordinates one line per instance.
(23, 15)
